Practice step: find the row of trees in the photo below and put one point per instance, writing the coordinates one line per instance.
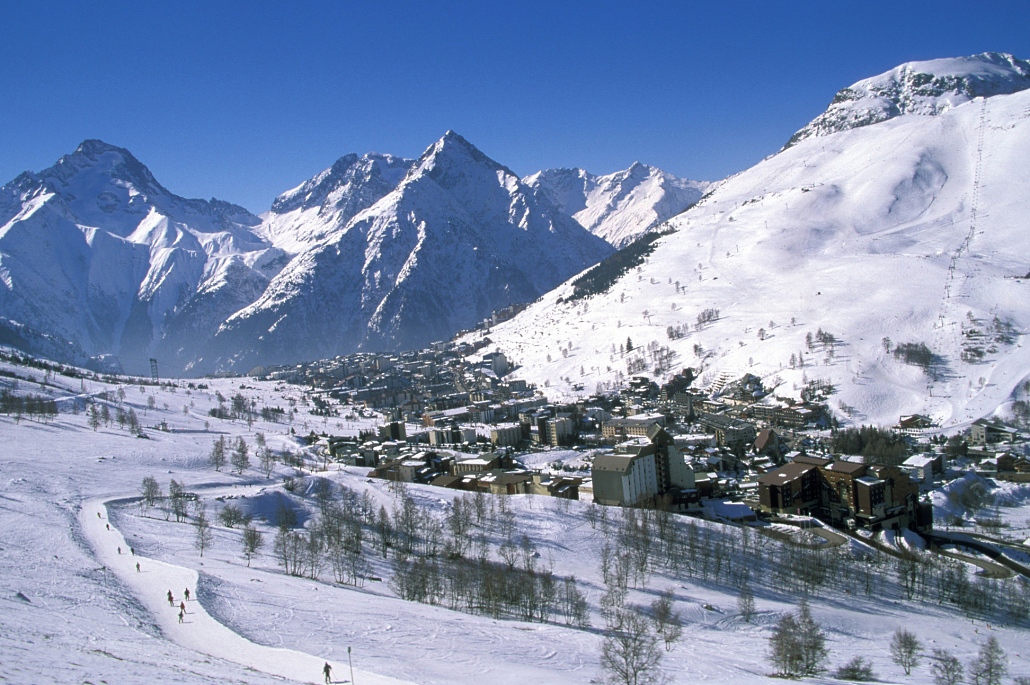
(237, 454)
(36, 407)
(798, 648)
(651, 540)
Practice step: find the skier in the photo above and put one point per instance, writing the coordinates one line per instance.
(327, 670)
(182, 607)
(186, 594)
(132, 551)
(181, 614)
(119, 550)
(171, 600)
(137, 567)
(108, 526)
(99, 516)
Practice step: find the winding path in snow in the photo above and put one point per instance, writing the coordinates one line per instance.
(199, 631)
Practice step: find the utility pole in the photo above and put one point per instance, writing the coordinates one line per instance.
(351, 664)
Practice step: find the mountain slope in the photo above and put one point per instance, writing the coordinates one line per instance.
(459, 237)
(301, 217)
(618, 207)
(911, 230)
(927, 88)
(94, 250)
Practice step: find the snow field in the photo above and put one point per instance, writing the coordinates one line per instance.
(81, 622)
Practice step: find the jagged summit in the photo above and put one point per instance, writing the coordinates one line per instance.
(458, 237)
(927, 88)
(351, 184)
(618, 207)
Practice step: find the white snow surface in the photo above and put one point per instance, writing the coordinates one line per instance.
(76, 610)
(912, 229)
(620, 206)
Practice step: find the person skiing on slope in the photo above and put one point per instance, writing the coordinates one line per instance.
(186, 594)
(327, 670)
(181, 614)
(137, 567)
(182, 607)
(171, 600)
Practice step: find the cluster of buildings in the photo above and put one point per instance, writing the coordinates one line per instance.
(458, 421)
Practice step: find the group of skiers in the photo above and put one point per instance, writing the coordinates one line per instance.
(326, 670)
(171, 598)
(182, 604)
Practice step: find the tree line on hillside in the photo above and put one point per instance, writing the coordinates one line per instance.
(35, 407)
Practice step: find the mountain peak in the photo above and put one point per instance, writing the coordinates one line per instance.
(926, 88)
(447, 160)
(109, 160)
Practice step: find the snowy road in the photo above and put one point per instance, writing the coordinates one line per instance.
(199, 631)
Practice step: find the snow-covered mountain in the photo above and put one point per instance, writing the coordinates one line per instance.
(377, 251)
(458, 237)
(618, 207)
(927, 88)
(301, 217)
(95, 251)
(907, 232)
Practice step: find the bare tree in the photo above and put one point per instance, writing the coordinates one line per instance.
(666, 619)
(252, 542)
(204, 535)
(232, 516)
(630, 655)
(177, 496)
(746, 603)
(785, 647)
(858, 669)
(946, 668)
(218, 453)
(266, 460)
(240, 455)
(989, 666)
(813, 641)
(905, 650)
(151, 493)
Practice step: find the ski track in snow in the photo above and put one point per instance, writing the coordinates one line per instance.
(199, 631)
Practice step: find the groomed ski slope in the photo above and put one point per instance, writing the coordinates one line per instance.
(913, 229)
(198, 632)
(73, 610)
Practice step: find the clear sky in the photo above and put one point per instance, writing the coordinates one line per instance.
(244, 100)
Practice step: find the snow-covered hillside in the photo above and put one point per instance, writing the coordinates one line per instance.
(912, 230)
(620, 206)
(926, 88)
(460, 236)
(76, 609)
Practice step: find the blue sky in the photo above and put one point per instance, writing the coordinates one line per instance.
(243, 100)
